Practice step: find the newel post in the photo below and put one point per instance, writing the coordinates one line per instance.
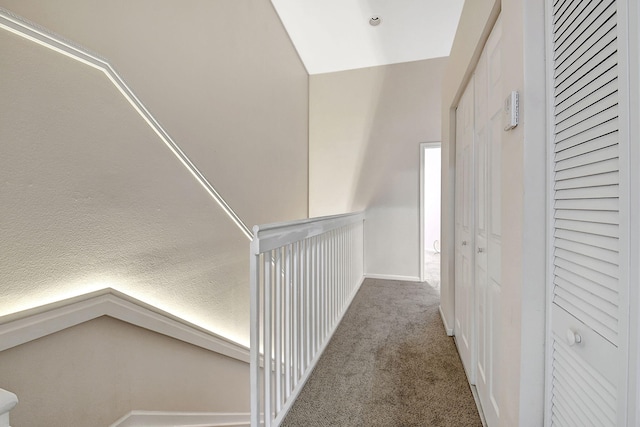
(8, 401)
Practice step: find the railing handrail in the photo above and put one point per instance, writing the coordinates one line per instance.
(275, 235)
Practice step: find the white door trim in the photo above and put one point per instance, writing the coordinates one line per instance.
(548, 378)
(633, 21)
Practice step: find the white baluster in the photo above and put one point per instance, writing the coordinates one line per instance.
(301, 281)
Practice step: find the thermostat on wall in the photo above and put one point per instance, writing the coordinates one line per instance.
(510, 112)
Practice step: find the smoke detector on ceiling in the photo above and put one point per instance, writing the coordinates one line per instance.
(375, 20)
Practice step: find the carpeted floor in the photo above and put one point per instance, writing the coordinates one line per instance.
(389, 364)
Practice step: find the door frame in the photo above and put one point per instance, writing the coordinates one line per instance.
(422, 187)
(633, 392)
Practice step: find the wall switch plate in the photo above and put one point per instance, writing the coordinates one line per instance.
(510, 113)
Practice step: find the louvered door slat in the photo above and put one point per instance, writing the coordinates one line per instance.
(558, 419)
(595, 319)
(571, 41)
(605, 217)
(610, 243)
(598, 192)
(602, 407)
(597, 42)
(598, 114)
(596, 289)
(575, 407)
(579, 393)
(563, 409)
(589, 228)
(598, 77)
(577, 13)
(588, 302)
(591, 134)
(593, 415)
(586, 147)
(582, 72)
(610, 178)
(588, 262)
(591, 166)
(602, 279)
(581, 108)
(589, 109)
(560, 8)
(581, 40)
(596, 156)
(607, 392)
(588, 250)
(589, 205)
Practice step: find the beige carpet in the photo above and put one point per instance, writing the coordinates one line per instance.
(389, 364)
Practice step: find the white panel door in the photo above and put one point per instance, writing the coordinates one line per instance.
(488, 184)
(464, 292)
(587, 360)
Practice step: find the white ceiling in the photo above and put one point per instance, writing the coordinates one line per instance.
(335, 35)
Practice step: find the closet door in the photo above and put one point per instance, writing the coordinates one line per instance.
(488, 184)
(589, 289)
(464, 292)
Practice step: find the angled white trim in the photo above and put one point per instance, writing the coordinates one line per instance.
(32, 32)
(20, 328)
(183, 419)
(393, 277)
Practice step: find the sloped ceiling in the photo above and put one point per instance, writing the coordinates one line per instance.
(335, 35)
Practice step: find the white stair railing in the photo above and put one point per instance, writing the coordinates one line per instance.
(8, 401)
(304, 275)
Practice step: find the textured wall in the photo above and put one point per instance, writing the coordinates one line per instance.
(221, 76)
(94, 373)
(366, 127)
(90, 197)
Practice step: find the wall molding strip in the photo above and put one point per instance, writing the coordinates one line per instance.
(447, 329)
(392, 277)
(182, 419)
(37, 34)
(22, 327)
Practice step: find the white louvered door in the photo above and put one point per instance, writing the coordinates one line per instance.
(589, 289)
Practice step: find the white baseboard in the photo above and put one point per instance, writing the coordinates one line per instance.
(392, 277)
(182, 419)
(448, 330)
(20, 328)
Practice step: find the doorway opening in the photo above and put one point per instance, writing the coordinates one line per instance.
(430, 213)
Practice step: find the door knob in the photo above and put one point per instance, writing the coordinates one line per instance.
(464, 243)
(480, 250)
(573, 338)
